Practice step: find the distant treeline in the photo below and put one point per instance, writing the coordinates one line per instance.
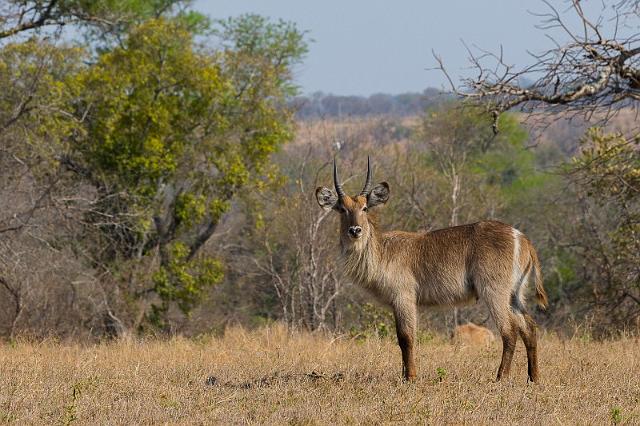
(322, 105)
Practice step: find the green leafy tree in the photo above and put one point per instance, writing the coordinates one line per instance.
(469, 165)
(606, 175)
(35, 121)
(99, 18)
(172, 132)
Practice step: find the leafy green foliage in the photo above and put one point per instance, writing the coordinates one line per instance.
(373, 321)
(610, 165)
(173, 131)
(606, 175)
(34, 77)
(616, 415)
(158, 131)
(183, 281)
(466, 166)
(146, 101)
(98, 20)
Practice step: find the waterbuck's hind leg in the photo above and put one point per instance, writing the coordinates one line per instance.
(509, 335)
(405, 317)
(507, 325)
(528, 333)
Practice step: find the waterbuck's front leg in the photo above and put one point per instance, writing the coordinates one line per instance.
(405, 315)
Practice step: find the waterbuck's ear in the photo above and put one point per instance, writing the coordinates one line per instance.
(378, 195)
(326, 197)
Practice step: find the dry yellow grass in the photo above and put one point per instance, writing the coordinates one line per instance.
(269, 376)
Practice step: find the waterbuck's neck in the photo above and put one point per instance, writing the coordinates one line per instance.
(363, 258)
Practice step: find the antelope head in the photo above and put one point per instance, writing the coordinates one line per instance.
(355, 226)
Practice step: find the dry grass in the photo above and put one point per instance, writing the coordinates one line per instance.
(269, 376)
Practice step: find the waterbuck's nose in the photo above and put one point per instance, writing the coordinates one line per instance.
(355, 231)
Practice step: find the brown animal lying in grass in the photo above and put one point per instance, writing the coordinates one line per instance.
(472, 334)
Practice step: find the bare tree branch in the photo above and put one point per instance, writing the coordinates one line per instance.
(42, 18)
(588, 74)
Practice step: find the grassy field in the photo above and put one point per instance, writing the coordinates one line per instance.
(269, 376)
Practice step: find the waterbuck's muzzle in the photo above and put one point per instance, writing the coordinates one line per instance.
(355, 231)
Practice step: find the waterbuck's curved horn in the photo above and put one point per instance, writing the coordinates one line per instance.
(369, 182)
(339, 190)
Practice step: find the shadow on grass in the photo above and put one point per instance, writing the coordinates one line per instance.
(277, 378)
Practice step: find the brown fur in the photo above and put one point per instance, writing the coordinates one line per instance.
(487, 260)
(472, 334)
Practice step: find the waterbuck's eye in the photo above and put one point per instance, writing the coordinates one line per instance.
(364, 209)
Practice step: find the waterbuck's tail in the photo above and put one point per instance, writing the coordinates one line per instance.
(541, 294)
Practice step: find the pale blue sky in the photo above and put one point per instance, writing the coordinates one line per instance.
(368, 46)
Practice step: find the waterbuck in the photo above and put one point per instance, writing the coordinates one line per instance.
(487, 260)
